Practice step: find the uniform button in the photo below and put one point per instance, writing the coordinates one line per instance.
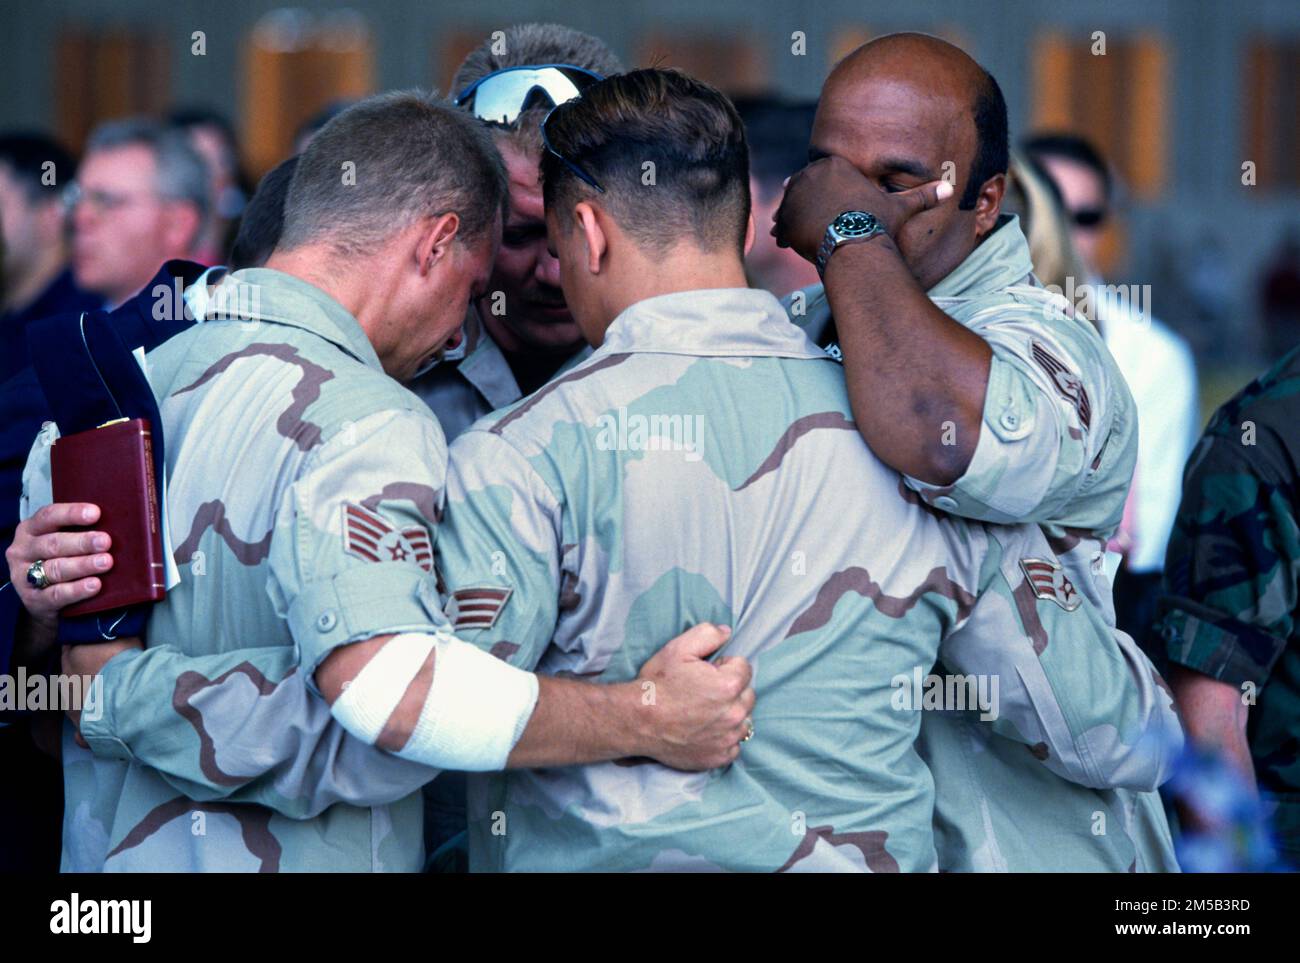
(1010, 420)
(946, 503)
(326, 621)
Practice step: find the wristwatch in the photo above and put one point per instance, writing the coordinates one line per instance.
(849, 226)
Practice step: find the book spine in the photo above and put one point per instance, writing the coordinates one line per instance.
(155, 548)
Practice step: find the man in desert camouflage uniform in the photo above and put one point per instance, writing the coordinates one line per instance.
(678, 474)
(993, 400)
(1230, 626)
(304, 490)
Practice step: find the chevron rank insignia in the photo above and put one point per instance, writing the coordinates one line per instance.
(370, 536)
(1066, 381)
(477, 608)
(1048, 581)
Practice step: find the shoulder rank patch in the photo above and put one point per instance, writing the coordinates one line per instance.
(1048, 581)
(477, 608)
(370, 536)
(1066, 381)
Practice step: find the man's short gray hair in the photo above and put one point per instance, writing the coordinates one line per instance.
(525, 44)
(182, 173)
(387, 160)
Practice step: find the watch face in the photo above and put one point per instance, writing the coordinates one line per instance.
(855, 223)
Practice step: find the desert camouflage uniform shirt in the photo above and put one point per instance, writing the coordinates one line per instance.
(1233, 576)
(1057, 446)
(304, 485)
(702, 465)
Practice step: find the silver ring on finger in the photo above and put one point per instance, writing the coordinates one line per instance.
(36, 576)
(749, 731)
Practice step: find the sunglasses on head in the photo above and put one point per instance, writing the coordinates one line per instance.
(1089, 217)
(577, 171)
(501, 96)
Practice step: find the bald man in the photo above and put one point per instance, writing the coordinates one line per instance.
(984, 390)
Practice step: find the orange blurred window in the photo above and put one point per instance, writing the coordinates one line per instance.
(1271, 111)
(103, 74)
(296, 64)
(1118, 99)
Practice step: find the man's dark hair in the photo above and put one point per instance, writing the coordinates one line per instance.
(669, 151)
(992, 141)
(263, 218)
(1069, 147)
(192, 117)
(387, 160)
(778, 132)
(24, 155)
(187, 118)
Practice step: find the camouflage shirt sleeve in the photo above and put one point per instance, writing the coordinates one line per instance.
(498, 550)
(1233, 560)
(1041, 435)
(352, 550)
(350, 558)
(1078, 693)
(240, 726)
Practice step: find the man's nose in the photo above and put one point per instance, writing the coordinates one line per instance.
(548, 269)
(82, 216)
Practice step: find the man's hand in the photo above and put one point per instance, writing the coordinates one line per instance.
(73, 561)
(827, 188)
(694, 712)
(87, 661)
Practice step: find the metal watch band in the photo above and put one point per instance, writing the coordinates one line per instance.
(833, 238)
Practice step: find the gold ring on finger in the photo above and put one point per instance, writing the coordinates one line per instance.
(36, 576)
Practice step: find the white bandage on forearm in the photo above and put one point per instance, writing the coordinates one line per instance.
(369, 699)
(476, 710)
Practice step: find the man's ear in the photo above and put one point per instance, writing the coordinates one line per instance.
(434, 242)
(181, 226)
(988, 204)
(749, 233)
(593, 234)
(52, 221)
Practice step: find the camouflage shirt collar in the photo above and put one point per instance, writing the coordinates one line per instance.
(999, 262)
(737, 322)
(263, 294)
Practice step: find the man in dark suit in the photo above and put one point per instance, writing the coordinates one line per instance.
(37, 282)
(31, 809)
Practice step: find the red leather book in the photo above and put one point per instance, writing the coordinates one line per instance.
(112, 466)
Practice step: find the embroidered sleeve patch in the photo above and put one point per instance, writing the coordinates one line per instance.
(1048, 581)
(1066, 381)
(370, 536)
(477, 608)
